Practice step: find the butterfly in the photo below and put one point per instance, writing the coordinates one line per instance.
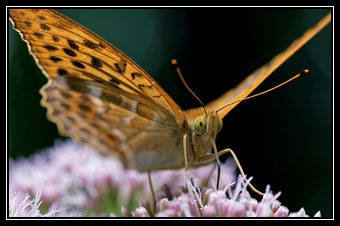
(101, 98)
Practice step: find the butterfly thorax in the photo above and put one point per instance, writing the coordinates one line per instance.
(204, 129)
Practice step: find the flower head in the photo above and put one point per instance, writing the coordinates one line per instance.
(21, 205)
(69, 180)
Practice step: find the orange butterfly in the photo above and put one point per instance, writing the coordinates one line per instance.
(101, 98)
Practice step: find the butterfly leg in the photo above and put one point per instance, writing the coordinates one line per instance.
(185, 140)
(152, 191)
(212, 157)
(150, 182)
(185, 151)
(218, 163)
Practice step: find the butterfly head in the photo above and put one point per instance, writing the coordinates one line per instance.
(205, 127)
(202, 123)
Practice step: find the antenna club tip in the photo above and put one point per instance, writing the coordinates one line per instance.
(174, 62)
(305, 72)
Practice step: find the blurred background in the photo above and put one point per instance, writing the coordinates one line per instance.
(283, 138)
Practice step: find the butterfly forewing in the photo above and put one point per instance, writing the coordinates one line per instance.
(258, 76)
(63, 47)
(97, 95)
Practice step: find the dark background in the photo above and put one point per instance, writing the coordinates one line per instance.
(283, 138)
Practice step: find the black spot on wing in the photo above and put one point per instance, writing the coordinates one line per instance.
(142, 86)
(71, 119)
(121, 66)
(55, 59)
(111, 137)
(94, 125)
(90, 44)
(45, 27)
(135, 74)
(77, 64)
(41, 17)
(69, 52)
(62, 72)
(50, 47)
(28, 24)
(38, 35)
(66, 106)
(55, 38)
(66, 95)
(114, 81)
(96, 63)
(85, 130)
(84, 107)
(158, 96)
(85, 97)
(117, 67)
(72, 44)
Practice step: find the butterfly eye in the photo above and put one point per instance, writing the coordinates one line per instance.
(200, 124)
(220, 124)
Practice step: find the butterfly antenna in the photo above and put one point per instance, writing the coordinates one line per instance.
(289, 80)
(175, 64)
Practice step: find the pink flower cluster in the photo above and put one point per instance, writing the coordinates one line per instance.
(21, 205)
(75, 181)
(216, 203)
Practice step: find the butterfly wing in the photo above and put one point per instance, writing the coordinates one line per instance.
(97, 95)
(61, 46)
(257, 77)
(111, 120)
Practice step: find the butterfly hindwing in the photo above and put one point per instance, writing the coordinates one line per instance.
(112, 121)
